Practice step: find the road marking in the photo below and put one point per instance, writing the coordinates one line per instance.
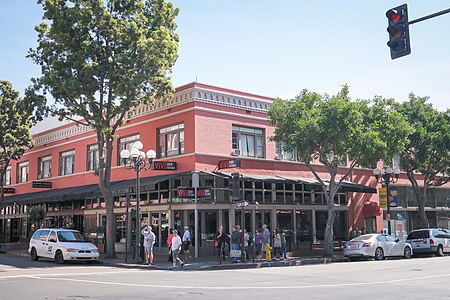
(44, 275)
(241, 287)
(384, 268)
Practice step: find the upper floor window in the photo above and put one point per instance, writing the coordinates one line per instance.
(67, 162)
(45, 167)
(92, 157)
(7, 178)
(126, 143)
(22, 172)
(171, 140)
(397, 162)
(250, 141)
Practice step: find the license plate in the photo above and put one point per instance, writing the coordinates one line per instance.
(354, 246)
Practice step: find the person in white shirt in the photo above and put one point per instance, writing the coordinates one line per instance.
(186, 242)
(149, 241)
(176, 248)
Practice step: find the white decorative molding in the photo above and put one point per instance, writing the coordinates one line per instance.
(195, 93)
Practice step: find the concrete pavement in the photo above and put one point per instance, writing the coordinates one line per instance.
(201, 263)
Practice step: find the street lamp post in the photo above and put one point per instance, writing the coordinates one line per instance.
(136, 160)
(384, 176)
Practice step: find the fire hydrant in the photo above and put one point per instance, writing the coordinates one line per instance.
(268, 253)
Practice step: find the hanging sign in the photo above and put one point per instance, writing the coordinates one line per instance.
(231, 163)
(164, 165)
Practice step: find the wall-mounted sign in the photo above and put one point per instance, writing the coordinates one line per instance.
(230, 163)
(8, 190)
(41, 184)
(164, 165)
(189, 193)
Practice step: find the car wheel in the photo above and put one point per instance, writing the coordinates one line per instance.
(379, 254)
(59, 258)
(33, 254)
(440, 251)
(407, 253)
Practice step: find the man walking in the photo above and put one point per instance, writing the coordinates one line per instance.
(176, 248)
(149, 241)
(265, 238)
(235, 241)
(186, 242)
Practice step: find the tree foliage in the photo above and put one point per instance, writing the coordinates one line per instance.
(36, 214)
(332, 128)
(17, 115)
(428, 152)
(101, 58)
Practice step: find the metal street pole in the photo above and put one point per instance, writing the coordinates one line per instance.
(387, 178)
(196, 184)
(127, 222)
(138, 213)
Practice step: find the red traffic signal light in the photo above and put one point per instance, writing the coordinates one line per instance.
(398, 28)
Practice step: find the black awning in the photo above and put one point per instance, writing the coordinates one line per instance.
(84, 191)
(348, 186)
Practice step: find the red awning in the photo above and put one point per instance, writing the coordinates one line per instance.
(372, 209)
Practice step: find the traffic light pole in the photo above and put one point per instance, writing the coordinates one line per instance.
(439, 13)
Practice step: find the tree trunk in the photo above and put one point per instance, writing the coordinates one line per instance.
(328, 243)
(421, 199)
(105, 187)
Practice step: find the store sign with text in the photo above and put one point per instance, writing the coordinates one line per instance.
(189, 193)
(164, 165)
(230, 163)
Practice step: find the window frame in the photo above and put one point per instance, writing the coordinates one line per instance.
(7, 179)
(258, 135)
(62, 162)
(123, 142)
(162, 135)
(41, 161)
(20, 166)
(92, 159)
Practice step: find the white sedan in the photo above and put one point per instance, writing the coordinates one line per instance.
(378, 246)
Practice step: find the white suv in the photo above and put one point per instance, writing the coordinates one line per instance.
(61, 245)
(430, 240)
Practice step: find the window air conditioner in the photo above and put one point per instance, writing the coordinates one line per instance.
(279, 156)
(236, 152)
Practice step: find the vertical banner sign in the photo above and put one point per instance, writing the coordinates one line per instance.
(393, 197)
(383, 197)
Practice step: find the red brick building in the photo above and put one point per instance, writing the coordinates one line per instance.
(198, 127)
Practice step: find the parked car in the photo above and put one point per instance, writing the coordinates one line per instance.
(378, 246)
(430, 240)
(61, 245)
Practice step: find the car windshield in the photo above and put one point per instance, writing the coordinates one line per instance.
(70, 236)
(364, 237)
(420, 234)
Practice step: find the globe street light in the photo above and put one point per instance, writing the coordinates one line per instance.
(384, 176)
(136, 160)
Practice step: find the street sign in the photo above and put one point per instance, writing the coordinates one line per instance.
(242, 204)
(8, 190)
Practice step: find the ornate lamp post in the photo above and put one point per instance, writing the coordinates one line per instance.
(136, 160)
(384, 176)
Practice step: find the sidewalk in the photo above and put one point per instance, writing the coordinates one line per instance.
(201, 263)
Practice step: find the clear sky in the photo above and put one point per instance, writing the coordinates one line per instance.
(278, 48)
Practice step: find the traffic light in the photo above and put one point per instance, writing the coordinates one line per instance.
(234, 186)
(398, 31)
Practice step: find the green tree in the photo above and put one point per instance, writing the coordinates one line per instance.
(17, 115)
(99, 59)
(332, 128)
(36, 214)
(427, 155)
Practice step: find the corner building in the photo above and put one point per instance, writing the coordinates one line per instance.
(200, 126)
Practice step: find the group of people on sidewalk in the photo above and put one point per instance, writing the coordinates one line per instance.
(174, 241)
(261, 242)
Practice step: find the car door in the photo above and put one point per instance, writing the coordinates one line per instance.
(41, 244)
(51, 244)
(389, 245)
(381, 242)
(397, 246)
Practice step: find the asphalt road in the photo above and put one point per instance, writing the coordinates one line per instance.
(418, 278)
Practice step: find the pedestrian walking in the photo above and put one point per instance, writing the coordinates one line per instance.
(265, 238)
(186, 242)
(221, 239)
(283, 245)
(149, 241)
(176, 248)
(235, 241)
(277, 245)
(258, 243)
(169, 243)
(246, 243)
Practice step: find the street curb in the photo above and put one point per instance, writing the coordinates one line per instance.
(15, 253)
